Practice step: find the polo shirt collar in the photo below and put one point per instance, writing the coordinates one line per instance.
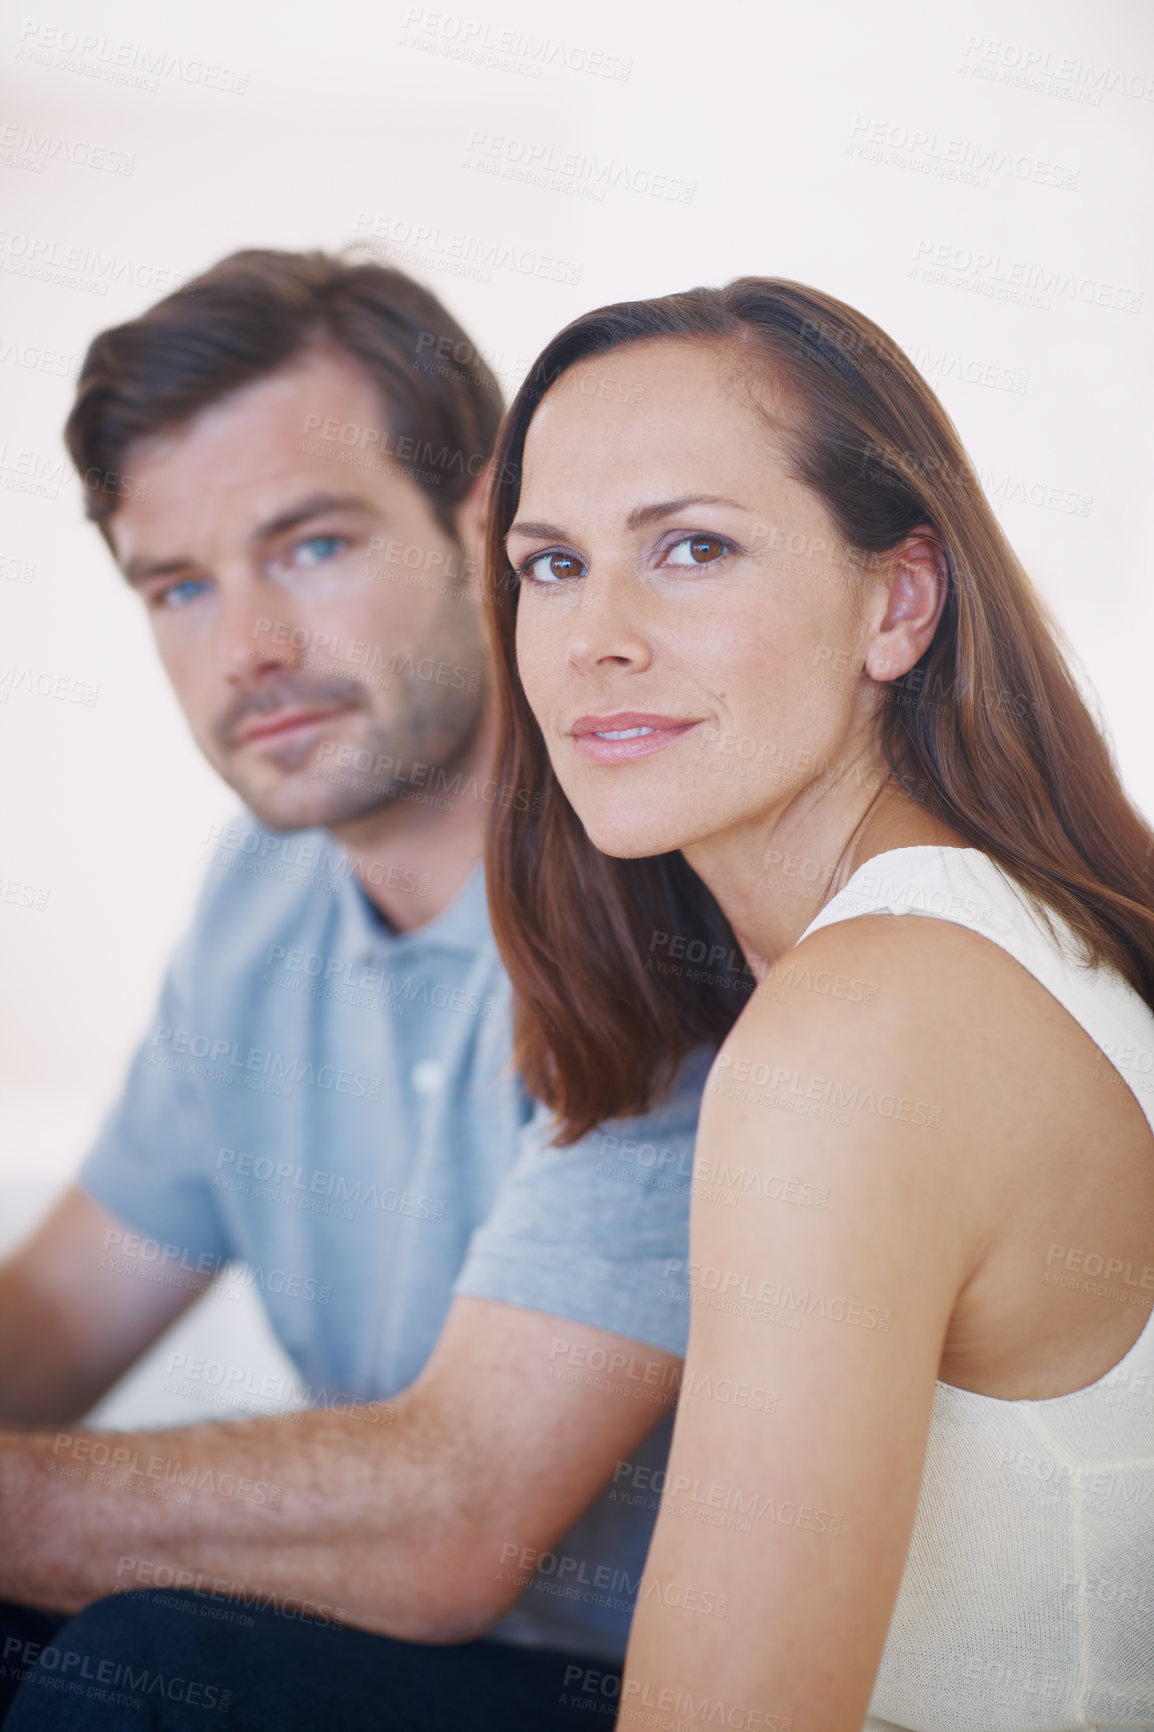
(462, 926)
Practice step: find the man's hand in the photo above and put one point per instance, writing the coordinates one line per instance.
(420, 1518)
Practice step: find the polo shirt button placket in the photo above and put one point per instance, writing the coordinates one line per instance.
(427, 1077)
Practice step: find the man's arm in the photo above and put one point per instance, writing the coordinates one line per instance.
(419, 1518)
(70, 1323)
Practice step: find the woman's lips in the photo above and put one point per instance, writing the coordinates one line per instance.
(618, 739)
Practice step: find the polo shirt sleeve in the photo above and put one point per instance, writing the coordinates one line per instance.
(598, 1232)
(152, 1159)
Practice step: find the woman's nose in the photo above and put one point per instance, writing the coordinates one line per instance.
(607, 624)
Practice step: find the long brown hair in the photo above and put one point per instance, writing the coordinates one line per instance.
(988, 732)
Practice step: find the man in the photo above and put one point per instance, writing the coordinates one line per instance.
(286, 460)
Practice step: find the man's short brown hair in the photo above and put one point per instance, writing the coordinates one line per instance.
(252, 314)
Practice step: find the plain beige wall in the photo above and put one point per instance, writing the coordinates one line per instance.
(916, 160)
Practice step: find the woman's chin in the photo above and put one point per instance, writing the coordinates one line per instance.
(632, 837)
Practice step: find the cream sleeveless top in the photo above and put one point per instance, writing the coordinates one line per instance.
(1027, 1602)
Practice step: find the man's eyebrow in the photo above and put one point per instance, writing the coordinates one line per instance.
(314, 506)
(639, 518)
(139, 571)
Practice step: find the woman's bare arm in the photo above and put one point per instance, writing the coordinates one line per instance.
(842, 1201)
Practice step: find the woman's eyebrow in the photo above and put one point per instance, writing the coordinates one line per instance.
(537, 531)
(639, 518)
(642, 515)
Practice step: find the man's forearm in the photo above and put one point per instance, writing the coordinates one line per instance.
(357, 1512)
(420, 1518)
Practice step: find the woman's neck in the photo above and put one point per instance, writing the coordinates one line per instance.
(771, 884)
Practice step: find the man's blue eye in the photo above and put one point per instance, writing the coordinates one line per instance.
(180, 594)
(318, 548)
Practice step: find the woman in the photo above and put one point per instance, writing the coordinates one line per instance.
(784, 685)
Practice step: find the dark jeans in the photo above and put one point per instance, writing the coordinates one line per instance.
(189, 1663)
(23, 1633)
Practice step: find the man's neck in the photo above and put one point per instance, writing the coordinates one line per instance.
(412, 858)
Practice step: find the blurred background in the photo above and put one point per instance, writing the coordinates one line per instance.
(972, 176)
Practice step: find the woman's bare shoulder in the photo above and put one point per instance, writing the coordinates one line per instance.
(900, 1031)
(916, 974)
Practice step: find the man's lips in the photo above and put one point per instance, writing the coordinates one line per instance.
(284, 722)
(626, 734)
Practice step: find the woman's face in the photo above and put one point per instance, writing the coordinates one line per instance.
(690, 630)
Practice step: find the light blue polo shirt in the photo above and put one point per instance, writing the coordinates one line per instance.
(333, 1104)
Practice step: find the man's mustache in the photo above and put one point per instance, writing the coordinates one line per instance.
(292, 690)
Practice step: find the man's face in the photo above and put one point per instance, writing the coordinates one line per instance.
(309, 610)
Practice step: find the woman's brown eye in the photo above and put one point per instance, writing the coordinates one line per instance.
(562, 565)
(703, 548)
(697, 550)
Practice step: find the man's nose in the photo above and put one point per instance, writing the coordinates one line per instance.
(252, 637)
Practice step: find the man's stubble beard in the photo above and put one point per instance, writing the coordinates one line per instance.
(373, 770)
(380, 767)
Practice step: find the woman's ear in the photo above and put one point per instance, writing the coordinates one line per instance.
(915, 580)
